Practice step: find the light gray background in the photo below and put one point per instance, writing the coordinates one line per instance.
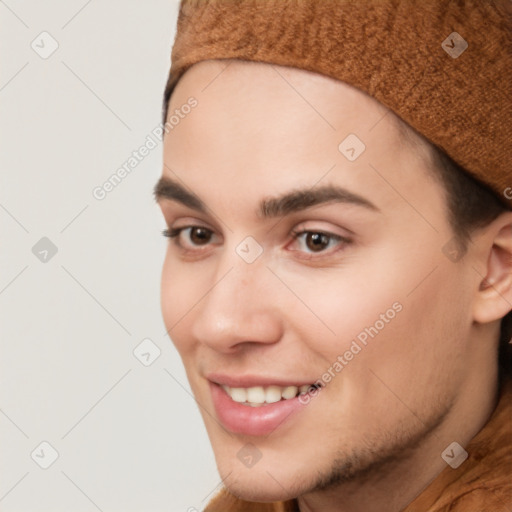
(129, 436)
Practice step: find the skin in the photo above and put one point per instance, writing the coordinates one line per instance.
(372, 439)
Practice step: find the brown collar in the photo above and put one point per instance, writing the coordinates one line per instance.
(484, 481)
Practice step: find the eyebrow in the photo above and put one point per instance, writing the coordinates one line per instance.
(285, 204)
(166, 188)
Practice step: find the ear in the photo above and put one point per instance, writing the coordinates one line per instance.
(494, 295)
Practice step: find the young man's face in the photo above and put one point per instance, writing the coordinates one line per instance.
(301, 261)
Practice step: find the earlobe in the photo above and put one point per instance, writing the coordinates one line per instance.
(494, 298)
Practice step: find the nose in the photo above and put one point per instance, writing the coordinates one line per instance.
(239, 309)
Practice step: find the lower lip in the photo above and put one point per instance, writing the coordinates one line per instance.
(252, 421)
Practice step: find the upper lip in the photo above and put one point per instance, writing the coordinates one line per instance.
(249, 381)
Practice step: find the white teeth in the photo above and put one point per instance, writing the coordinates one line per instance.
(272, 394)
(290, 392)
(256, 395)
(238, 394)
(259, 395)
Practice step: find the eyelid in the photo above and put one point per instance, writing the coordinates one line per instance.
(189, 221)
(316, 227)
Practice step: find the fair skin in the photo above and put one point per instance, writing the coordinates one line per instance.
(372, 438)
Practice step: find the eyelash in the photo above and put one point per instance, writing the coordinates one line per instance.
(174, 233)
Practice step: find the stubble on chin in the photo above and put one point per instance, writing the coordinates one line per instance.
(372, 463)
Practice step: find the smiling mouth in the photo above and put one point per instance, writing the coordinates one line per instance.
(243, 408)
(259, 396)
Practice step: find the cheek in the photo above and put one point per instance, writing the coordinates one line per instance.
(339, 305)
(398, 308)
(179, 294)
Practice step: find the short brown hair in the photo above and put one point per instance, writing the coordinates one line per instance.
(471, 205)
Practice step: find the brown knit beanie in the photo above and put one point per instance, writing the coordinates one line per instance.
(443, 66)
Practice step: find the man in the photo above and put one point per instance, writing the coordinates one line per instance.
(338, 280)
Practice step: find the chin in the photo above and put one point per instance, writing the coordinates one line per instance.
(261, 483)
(268, 491)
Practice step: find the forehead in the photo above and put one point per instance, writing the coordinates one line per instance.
(265, 96)
(259, 126)
(257, 85)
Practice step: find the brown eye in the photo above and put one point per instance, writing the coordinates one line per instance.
(322, 243)
(200, 236)
(317, 241)
(193, 239)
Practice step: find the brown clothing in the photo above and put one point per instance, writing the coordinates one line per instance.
(483, 483)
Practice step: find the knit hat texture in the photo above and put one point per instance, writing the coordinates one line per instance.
(443, 66)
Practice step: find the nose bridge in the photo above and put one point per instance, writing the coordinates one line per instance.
(238, 307)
